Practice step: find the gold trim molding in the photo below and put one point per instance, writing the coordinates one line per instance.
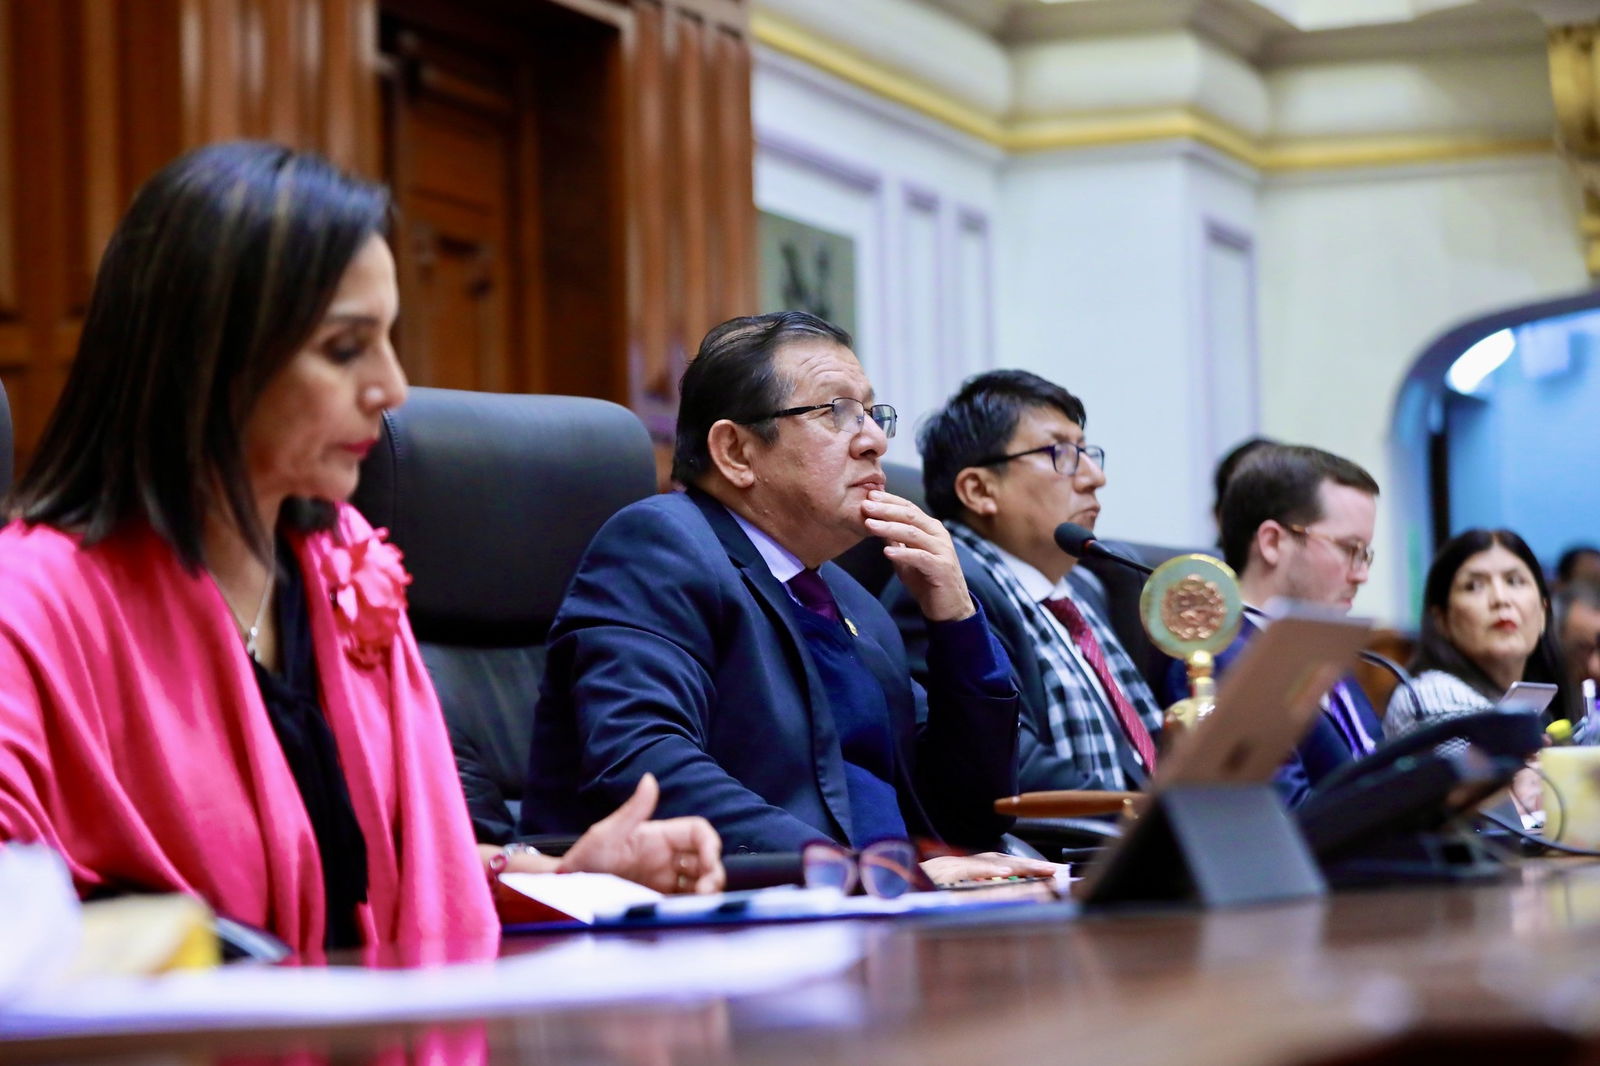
(1094, 130)
(1575, 89)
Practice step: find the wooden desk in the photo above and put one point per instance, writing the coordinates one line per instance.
(1506, 974)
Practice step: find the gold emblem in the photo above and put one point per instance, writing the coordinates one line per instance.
(1191, 608)
(1194, 609)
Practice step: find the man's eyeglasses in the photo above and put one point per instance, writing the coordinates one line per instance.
(1355, 552)
(849, 415)
(884, 868)
(1064, 456)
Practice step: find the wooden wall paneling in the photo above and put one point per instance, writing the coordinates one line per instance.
(10, 298)
(729, 14)
(691, 205)
(213, 89)
(13, 331)
(346, 105)
(152, 111)
(104, 185)
(530, 316)
(582, 204)
(734, 198)
(687, 53)
(278, 51)
(39, 43)
(302, 72)
(653, 351)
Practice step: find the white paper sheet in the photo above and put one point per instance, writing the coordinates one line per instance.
(40, 924)
(679, 967)
(582, 896)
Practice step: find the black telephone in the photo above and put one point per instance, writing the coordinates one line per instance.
(1389, 816)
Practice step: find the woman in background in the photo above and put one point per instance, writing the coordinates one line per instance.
(1485, 625)
(207, 680)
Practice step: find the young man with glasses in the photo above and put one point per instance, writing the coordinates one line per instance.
(708, 639)
(1005, 462)
(1297, 523)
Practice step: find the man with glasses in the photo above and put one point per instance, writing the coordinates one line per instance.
(707, 639)
(1297, 524)
(1004, 463)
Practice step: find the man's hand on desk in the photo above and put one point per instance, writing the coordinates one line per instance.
(671, 855)
(952, 869)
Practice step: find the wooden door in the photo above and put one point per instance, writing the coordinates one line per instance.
(501, 148)
(451, 118)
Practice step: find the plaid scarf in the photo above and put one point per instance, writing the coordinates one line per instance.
(1083, 724)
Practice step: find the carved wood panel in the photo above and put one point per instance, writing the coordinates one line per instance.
(97, 94)
(625, 228)
(691, 206)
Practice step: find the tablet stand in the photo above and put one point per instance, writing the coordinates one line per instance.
(1218, 845)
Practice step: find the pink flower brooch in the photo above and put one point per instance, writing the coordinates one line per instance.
(367, 583)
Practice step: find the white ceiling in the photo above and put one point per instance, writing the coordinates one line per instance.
(1273, 30)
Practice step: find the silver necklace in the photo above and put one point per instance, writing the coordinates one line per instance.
(254, 629)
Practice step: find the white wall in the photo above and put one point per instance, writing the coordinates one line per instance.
(1361, 270)
(1189, 299)
(1127, 276)
(918, 199)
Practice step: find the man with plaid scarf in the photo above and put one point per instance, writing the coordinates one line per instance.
(1004, 464)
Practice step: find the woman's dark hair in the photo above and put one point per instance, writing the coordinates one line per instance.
(975, 425)
(734, 377)
(219, 272)
(1434, 650)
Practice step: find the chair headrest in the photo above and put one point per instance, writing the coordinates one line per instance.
(494, 497)
(904, 480)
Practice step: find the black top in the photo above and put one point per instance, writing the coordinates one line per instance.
(294, 704)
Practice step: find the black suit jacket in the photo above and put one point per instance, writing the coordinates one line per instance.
(675, 653)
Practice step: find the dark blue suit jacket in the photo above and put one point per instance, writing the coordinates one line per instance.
(1322, 751)
(675, 653)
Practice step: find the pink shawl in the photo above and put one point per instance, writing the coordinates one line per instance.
(134, 741)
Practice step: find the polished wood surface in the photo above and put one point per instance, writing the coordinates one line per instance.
(1065, 803)
(1507, 973)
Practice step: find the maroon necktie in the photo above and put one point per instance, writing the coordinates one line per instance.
(1078, 629)
(814, 595)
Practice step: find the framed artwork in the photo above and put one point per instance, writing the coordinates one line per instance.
(805, 268)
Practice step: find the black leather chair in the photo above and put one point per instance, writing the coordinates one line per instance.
(493, 498)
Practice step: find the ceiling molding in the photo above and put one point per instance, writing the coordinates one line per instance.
(1094, 130)
(1256, 31)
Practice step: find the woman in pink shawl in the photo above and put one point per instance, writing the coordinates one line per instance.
(207, 680)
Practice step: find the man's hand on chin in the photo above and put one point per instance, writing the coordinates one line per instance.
(922, 554)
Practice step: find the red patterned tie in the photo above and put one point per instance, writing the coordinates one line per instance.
(1078, 629)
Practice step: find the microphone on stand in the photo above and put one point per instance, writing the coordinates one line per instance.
(1078, 542)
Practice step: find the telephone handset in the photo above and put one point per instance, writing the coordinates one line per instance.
(1416, 784)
